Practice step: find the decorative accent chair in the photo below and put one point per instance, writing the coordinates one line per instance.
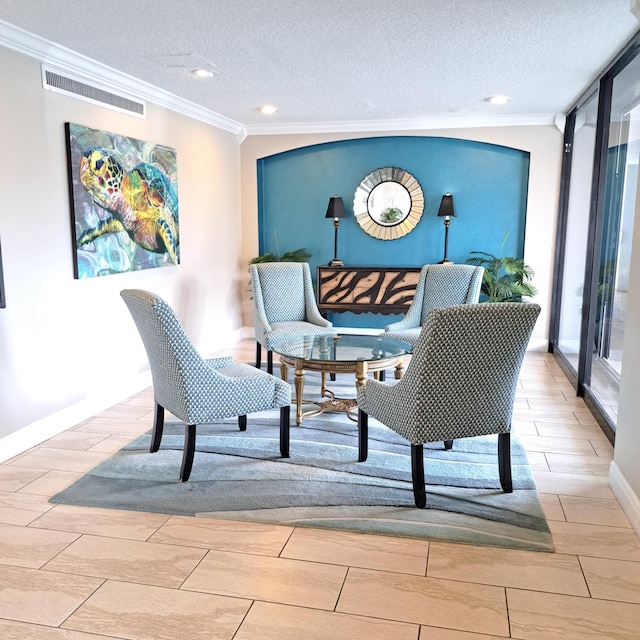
(439, 285)
(460, 382)
(196, 390)
(284, 306)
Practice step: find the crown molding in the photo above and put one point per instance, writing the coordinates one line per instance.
(105, 77)
(435, 121)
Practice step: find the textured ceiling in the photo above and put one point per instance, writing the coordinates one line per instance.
(340, 61)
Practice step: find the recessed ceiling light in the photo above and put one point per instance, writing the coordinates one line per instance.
(203, 73)
(267, 109)
(499, 99)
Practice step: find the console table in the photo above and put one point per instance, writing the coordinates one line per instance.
(387, 290)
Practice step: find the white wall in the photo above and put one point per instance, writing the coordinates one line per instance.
(68, 347)
(544, 144)
(624, 476)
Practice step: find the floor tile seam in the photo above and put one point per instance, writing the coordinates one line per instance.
(511, 586)
(427, 577)
(251, 599)
(627, 528)
(634, 562)
(313, 562)
(360, 566)
(97, 537)
(578, 472)
(84, 601)
(635, 605)
(244, 617)
(582, 438)
(112, 578)
(287, 541)
(606, 455)
(569, 496)
(41, 625)
(362, 616)
(59, 529)
(183, 588)
(554, 438)
(208, 548)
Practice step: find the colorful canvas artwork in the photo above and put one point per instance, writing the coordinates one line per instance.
(124, 197)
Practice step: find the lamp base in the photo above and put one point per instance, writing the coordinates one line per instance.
(336, 263)
(445, 262)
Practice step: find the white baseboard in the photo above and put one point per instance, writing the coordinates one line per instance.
(45, 428)
(628, 500)
(33, 434)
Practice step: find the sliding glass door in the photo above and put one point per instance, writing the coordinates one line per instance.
(577, 222)
(621, 187)
(599, 197)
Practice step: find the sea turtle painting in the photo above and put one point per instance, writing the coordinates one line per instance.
(127, 203)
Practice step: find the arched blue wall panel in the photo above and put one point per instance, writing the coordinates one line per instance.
(488, 183)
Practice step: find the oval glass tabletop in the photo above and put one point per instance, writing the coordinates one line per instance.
(343, 348)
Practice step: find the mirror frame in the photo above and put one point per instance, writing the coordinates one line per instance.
(361, 203)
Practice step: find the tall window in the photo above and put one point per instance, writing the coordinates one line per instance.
(578, 208)
(623, 154)
(600, 195)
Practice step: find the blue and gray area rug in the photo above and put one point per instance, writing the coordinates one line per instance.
(240, 476)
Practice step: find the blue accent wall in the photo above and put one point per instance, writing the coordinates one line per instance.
(488, 182)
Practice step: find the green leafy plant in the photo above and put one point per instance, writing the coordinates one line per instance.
(297, 255)
(391, 214)
(505, 279)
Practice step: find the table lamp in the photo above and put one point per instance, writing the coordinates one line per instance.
(336, 211)
(446, 211)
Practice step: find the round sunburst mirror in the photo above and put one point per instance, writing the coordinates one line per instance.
(388, 203)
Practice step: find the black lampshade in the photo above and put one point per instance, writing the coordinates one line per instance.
(336, 208)
(446, 206)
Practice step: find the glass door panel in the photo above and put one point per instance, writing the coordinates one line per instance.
(578, 209)
(621, 188)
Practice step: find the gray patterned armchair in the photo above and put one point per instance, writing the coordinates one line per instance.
(460, 382)
(439, 285)
(284, 306)
(196, 390)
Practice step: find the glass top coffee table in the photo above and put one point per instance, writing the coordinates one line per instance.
(338, 354)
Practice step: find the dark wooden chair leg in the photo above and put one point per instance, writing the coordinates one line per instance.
(363, 435)
(382, 376)
(158, 426)
(188, 451)
(504, 461)
(285, 424)
(258, 355)
(270, 361)
(448, 444)
(417, 475)
(332, 377)
(242, 422)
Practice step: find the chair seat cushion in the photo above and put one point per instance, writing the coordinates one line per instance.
(260, 391)
(408, 335)
(286, 331)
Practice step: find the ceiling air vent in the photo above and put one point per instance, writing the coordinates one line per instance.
(54, 80)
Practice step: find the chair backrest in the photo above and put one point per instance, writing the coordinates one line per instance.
(447, 285)
(282, 290)
(173, 359)
(462, 377)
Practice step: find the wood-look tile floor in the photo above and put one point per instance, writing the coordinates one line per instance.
(71, 573)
